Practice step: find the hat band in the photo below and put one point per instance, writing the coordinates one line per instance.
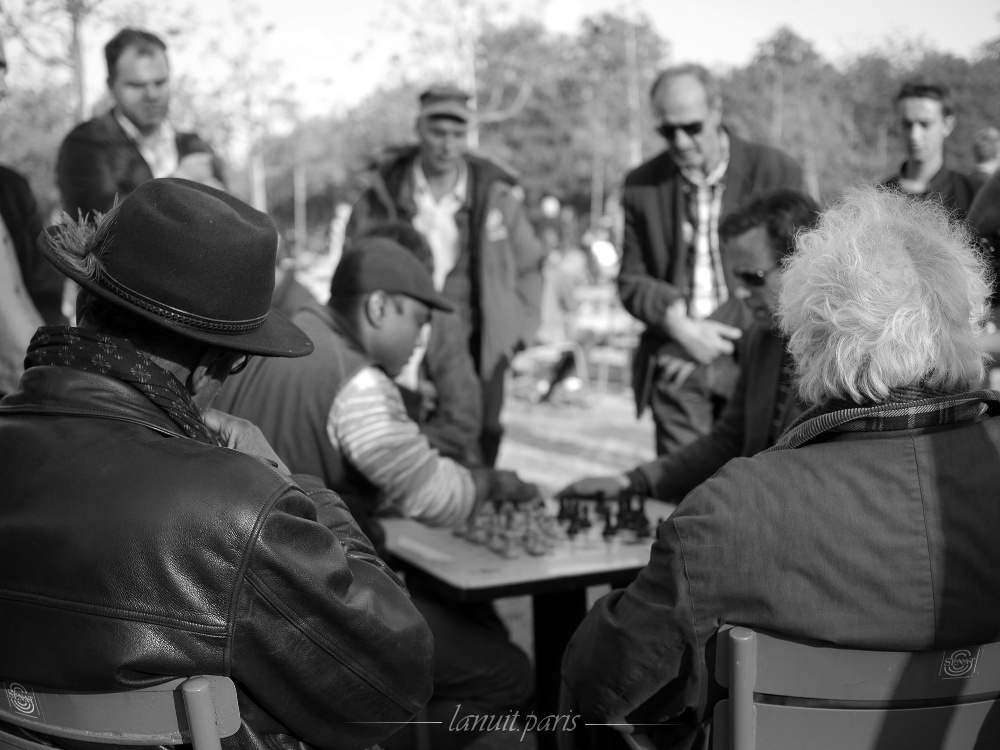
(171, 313)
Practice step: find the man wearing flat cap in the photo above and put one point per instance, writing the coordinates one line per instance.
(144, 536)
(487, 260)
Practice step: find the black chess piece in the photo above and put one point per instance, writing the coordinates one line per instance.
(565, 509)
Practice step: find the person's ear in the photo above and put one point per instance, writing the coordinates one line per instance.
(375, 308)
(949, 125)
(212, 365)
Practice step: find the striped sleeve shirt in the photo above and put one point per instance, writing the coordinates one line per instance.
(368, 424)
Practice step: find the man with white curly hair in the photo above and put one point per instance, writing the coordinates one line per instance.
(872, 523)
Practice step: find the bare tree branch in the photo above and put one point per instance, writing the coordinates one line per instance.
(499, 115)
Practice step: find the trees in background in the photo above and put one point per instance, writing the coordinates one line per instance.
(568, 112)
(576, 135)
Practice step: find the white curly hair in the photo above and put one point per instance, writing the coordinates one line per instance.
(886, 292)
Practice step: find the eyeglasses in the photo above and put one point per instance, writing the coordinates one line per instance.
(670, 131)
(240, 364)
(755, 278)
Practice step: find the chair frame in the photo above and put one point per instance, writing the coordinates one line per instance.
(200, 710)
(870, 696)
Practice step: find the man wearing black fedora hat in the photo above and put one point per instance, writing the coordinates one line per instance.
(144, 536)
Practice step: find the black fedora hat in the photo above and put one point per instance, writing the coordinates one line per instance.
(187, 257)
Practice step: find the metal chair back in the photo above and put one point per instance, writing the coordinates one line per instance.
(790, 693)
(197, 710)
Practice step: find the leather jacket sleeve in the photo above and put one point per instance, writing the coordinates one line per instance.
(326, 641)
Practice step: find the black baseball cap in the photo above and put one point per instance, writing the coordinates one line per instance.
(378, 264)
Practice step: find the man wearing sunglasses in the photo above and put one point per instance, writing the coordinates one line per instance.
(674, 275)
(756, 238)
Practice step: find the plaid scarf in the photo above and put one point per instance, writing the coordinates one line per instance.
(907, 409)
(62, 346)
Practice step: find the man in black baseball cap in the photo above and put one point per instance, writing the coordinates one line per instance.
(155, 550)
(339, 415)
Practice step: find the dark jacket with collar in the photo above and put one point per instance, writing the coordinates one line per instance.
(20, 214)
(874, 540)
(655, 268)
(744, 429)
(954, 190)
(98, 161)
(500, 295)
(130, 554)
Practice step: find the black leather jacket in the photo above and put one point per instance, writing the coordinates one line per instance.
(129, 553)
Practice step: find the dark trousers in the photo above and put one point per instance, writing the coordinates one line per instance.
(684, 412)
(477, 671)
(493, 393)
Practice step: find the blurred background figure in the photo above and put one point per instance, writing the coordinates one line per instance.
(986, 148)
(487, 260)
(926, 119)
(564, 273)
(114, 153)
(674, 276)
(31, 288)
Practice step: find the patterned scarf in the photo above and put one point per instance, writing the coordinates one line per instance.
(62, 346)
(906, 409)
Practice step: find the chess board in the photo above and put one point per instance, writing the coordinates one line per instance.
(550, 527)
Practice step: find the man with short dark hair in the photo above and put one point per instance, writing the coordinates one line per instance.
(487, 260)
(926, 119)
(756, 238)
(114, 153)
(439, 384)
(675, 277)
(167, 539)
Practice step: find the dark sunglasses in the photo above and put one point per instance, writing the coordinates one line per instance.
(670, 131)
(755, 278)
(241, 364)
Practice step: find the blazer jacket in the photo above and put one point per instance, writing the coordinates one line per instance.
(98, 161)
(654, 270)
(744, 429)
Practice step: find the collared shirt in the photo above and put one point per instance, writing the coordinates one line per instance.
(435, 220)
(701, 231)
(159, 148)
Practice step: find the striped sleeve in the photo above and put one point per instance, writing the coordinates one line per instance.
(369, 425)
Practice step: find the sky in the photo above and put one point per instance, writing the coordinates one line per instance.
(713, 32)
(335, 52)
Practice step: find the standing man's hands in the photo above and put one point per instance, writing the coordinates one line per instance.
(703, 340)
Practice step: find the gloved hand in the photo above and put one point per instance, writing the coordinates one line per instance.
(596, 487)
